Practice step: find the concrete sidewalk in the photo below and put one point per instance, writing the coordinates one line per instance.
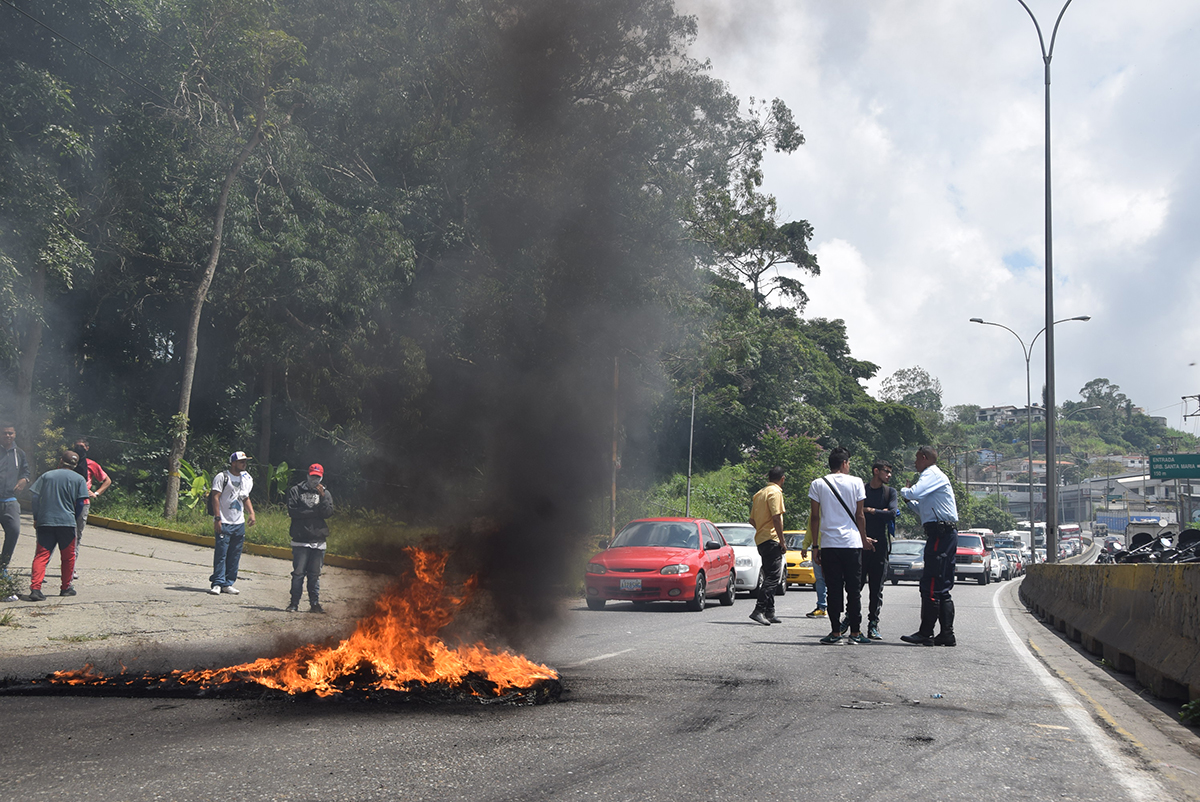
(143, 603)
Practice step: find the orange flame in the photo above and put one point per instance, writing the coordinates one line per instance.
(392, 648)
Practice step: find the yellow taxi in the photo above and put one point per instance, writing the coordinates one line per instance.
(798, 569)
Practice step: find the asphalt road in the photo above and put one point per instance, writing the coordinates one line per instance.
(661, 704)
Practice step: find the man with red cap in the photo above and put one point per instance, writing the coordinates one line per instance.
(309, 504)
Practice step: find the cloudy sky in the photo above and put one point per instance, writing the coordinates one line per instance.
(923, 178)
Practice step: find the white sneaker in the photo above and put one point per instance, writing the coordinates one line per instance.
(215, 590)
(230, 589)
(12, 598)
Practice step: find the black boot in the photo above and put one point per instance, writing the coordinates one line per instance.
(946, 618)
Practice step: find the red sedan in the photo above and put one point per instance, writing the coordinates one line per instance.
(663, 559)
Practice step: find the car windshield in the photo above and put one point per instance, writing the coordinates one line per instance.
(908, 547)
(969, 541)
(738, 535)
(659, 533)
(795, 542)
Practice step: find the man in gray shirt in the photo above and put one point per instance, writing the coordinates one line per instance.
(58, 498)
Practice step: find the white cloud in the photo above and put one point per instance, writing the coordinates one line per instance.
(923, 173)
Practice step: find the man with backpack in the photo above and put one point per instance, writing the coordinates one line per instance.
(880, 507)
(229, 501)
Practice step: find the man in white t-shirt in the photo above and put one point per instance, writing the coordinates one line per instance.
(836, 516)
(230, 499)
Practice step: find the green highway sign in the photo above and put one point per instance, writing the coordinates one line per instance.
(1175, 466)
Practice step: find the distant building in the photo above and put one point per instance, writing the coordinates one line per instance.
(1010, 414)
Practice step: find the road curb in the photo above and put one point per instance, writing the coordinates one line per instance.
(262, 550)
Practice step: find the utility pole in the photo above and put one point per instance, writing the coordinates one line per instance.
(613, 509)
(1190, 485)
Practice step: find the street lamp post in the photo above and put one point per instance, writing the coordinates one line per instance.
(1027, 352)
(1051, 438)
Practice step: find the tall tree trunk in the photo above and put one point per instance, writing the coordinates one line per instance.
(264, 428)
(179, 422)
(31, 343)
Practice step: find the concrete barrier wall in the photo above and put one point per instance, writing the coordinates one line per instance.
(1143, 619)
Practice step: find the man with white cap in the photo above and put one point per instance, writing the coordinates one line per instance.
(309, 504)
(230, 501)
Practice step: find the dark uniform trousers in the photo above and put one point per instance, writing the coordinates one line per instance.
(941, 552)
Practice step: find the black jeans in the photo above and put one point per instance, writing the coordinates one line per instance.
(10, 520)
(843, 582)
(941, 553)
(772, 567)
(874, 568)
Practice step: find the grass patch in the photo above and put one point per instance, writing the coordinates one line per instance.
(9, 620)
(352, 533)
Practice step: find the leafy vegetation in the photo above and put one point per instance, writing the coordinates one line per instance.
(412, 241)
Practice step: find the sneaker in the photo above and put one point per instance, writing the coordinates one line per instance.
(13, 597)
(945, 640)
(774, 619)
(292, 608)
(817, 613)
(858, 638)
(231, 590)
(315, 607)
(759, 617)
(215, 590)
(69, 590)
(832, 637)
(918, 639)
(37, 595)
(873, 632)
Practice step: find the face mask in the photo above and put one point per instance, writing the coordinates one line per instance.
(313, 481)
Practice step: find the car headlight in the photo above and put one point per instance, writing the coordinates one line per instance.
(596, 568)
(976, 558)
(806, 564)
(918, 566)
(678, 568)
(743, 562)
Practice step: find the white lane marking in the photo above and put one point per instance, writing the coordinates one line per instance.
(1138, 783)
(596, 658)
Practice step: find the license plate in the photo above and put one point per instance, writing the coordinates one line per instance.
(631, 584)
(898, 571)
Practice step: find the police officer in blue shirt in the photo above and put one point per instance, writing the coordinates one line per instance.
(932, 497)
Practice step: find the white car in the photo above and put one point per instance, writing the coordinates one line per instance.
(746, 561)
(1000, 567)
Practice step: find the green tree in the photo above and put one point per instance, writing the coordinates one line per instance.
(44, 145)
(913, 387)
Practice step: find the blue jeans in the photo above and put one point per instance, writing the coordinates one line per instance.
(820, 575)
(227, 554)
(307, 562)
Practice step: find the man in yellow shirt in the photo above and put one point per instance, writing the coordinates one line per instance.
(766, 516)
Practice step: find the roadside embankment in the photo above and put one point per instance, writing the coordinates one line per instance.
(1144, 619)
(249, 548)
